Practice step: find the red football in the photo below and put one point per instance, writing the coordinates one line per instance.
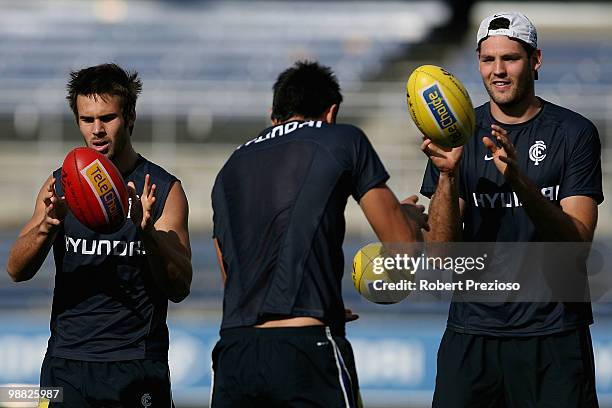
(94, 189)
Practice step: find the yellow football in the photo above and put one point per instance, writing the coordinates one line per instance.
(440, 106)
(374, 281)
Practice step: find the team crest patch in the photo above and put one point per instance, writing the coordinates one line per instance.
(537, 152)
(145, 400)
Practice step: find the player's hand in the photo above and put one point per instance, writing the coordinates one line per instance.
(55, 208)
(142, 207)
(415, 212)
(349, 316)
(445, 159)
(504, 155)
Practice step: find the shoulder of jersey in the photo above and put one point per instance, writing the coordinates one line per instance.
(158, 174)
(346, 129)
(566, 117)
(339, 134)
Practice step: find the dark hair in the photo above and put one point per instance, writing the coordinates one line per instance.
(306, 89)
(503, 22)
(105, 79)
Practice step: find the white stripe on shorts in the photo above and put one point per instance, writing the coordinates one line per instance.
(337, 357)
(212, 383)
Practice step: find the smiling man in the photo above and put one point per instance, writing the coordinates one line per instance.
(109, 339)
(531, 172)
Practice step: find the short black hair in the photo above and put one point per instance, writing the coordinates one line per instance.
(306, 89)
(503, 22)
(105, 79)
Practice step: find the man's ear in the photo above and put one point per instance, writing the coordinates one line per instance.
(536, 61)
(131, 121)
(330, 114)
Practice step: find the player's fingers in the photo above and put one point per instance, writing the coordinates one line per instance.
(501, 135)
(422, 223)
(148, 204)
(152, 190)
(425, 144)
(499, 129)
(146, 187)
(131, 188)
(410, 200)
(51, 190)
(47, 197)
(489, 144)
(509, 161)
(349, 316)
(439, 148)
(433, 150)
(410, 208)
(506, 144)
(425, 224)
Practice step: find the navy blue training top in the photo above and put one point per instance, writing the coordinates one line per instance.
(106, 306)
(559, 150)
(279, 219)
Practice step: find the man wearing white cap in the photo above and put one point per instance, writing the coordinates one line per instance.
(532, 172)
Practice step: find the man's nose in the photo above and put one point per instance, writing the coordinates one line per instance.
(499, 68)
(98, 127)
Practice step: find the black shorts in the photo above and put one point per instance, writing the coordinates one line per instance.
(554, 370)
(129, 384)
(283, 367)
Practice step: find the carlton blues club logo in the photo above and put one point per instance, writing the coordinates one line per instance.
(145, 400)
(536, 152)
(100, 182)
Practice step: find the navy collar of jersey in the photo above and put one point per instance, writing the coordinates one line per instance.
(139, 161)
(492, 119)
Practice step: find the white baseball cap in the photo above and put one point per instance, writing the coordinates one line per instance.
(518, 27)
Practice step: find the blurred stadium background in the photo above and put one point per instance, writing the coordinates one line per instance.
(207, 68)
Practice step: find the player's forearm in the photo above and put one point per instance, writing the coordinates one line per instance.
(170, 265)
(401, 228)
(29, 252)
(444, 214)
(551, 223)
(385, 214)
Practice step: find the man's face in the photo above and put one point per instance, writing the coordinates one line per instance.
(506, 69)
(102, 124)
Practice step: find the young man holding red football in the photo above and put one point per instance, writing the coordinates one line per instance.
(109, 339)
(516, 354)
(279, 224)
